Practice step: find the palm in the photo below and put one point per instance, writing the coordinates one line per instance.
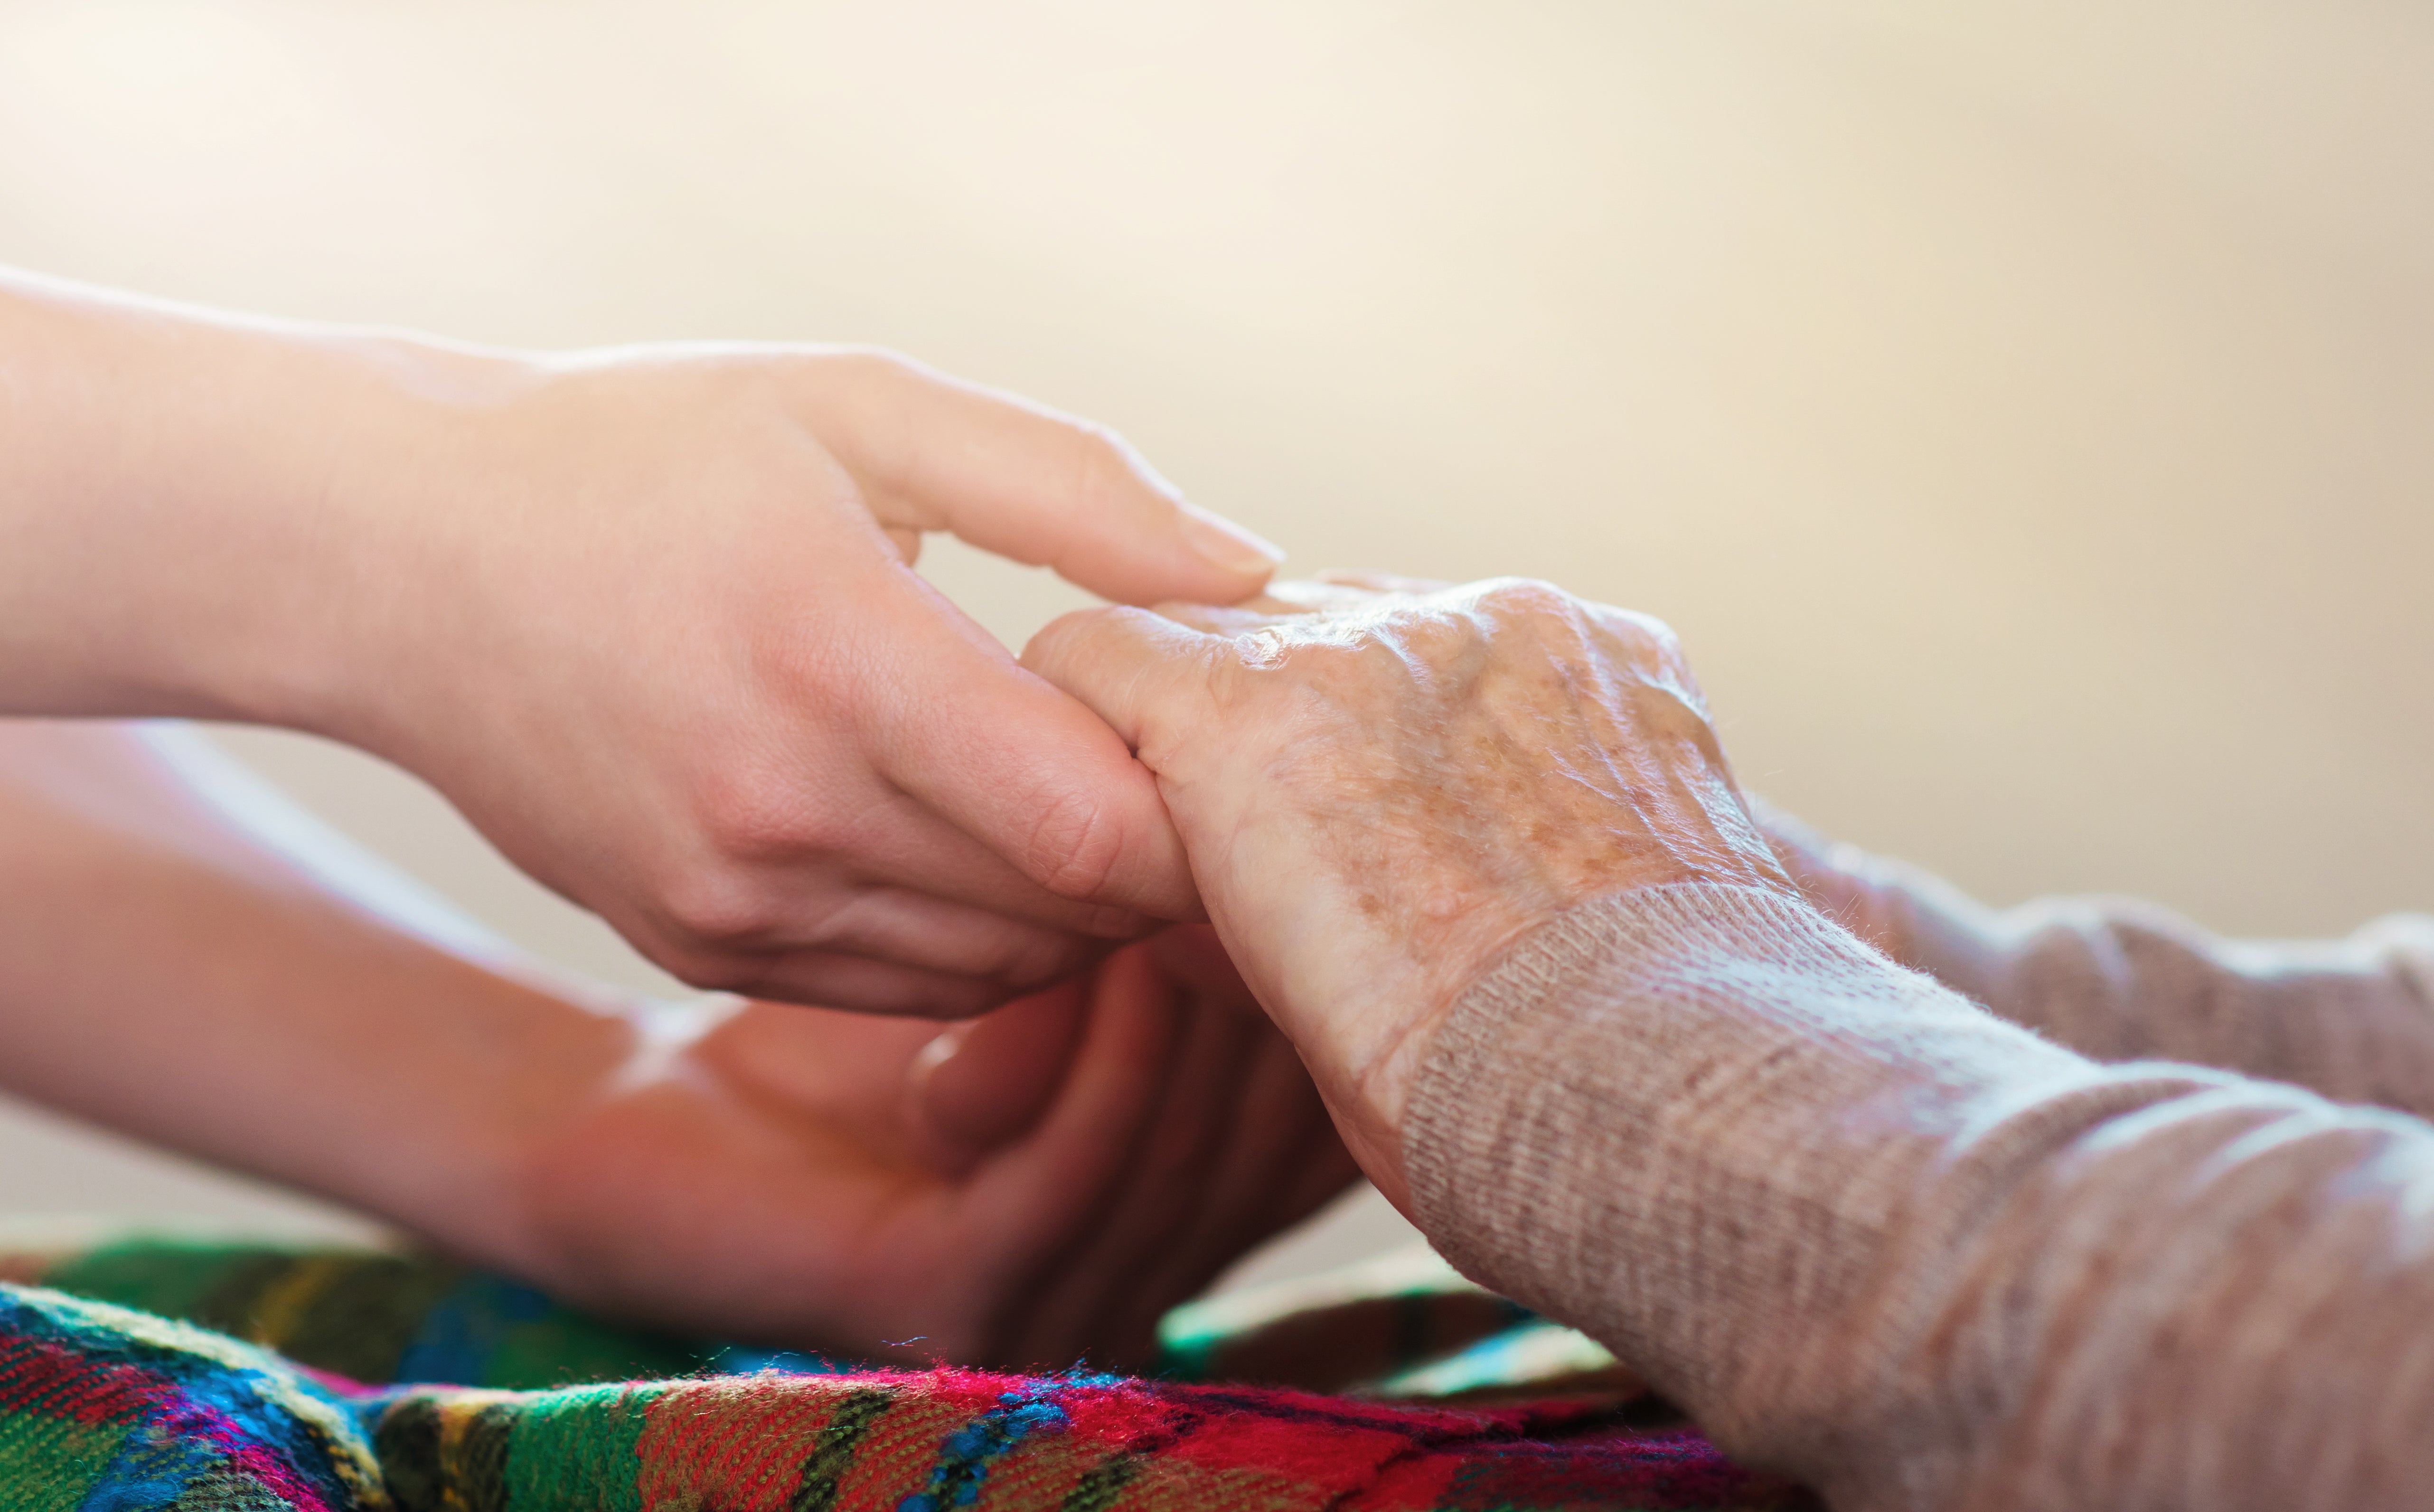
(1038, 1185)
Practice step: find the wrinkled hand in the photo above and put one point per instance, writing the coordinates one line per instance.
(1019, 1191)
(648, 619)
(1378, 790)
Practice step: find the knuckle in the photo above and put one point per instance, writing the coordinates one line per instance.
(757, 813)
(1102, 463)
(1522, 597)
(1632, 621)
(714, 906)
(1559, 611)
(1646, 629)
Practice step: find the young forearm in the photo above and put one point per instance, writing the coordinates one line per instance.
(163, 975)
(185, 529)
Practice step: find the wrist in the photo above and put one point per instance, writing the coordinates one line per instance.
(471, 1183)
(1387, 1012)
(356, 531)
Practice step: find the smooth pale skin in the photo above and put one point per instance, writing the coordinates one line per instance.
(1023, 1190)
(648, 616)
(1381, 783)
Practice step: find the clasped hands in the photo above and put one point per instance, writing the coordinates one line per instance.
(1379, 784)
(852, 798)
(647, 618)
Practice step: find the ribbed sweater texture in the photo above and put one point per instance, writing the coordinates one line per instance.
(1874, 1236)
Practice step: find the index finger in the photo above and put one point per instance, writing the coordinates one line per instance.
(1022, 481)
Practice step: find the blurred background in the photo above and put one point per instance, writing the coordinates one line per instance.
(2024, 411)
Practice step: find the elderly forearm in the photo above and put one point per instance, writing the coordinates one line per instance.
(164, 550)
(162, 973)
(1876, 1239)
(2117, 980)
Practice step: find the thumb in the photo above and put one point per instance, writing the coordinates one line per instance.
(984, 1083)
(934, 453)
(1021, 768)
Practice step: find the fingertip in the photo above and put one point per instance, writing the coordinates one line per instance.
(1246, 558)
(1129, 535)
(1026, 482)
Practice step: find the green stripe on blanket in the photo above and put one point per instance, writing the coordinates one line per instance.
(389, 1390)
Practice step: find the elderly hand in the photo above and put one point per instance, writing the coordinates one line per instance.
(1381, 783)
(648, 616)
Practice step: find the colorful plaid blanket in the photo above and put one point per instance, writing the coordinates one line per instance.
(214, 1378)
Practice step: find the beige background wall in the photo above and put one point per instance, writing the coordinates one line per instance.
(2026, 411)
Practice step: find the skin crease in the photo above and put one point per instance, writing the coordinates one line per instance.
(645, 616)
(1026, 1188)
(1382, 782)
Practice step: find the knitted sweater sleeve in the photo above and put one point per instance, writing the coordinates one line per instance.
(1873, 1237)
(2121, 980)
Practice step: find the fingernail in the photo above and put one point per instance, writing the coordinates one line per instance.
(1228, 544)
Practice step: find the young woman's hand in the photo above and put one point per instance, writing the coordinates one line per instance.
(666, 646)
(1028, 1189)
(648, 616)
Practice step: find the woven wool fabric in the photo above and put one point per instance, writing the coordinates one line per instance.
(106, 1407)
